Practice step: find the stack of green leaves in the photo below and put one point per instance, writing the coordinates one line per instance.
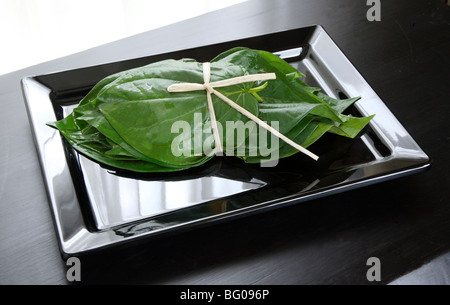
(126, 120)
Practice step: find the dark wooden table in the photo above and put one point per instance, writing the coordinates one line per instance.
(405, 222)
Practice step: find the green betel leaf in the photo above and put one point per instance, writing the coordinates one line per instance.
(131, 121)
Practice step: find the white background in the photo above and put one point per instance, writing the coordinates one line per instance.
(35, 31)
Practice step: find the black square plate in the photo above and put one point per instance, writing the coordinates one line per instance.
(95, 207)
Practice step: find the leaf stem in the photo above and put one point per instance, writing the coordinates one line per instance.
(252, 91)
